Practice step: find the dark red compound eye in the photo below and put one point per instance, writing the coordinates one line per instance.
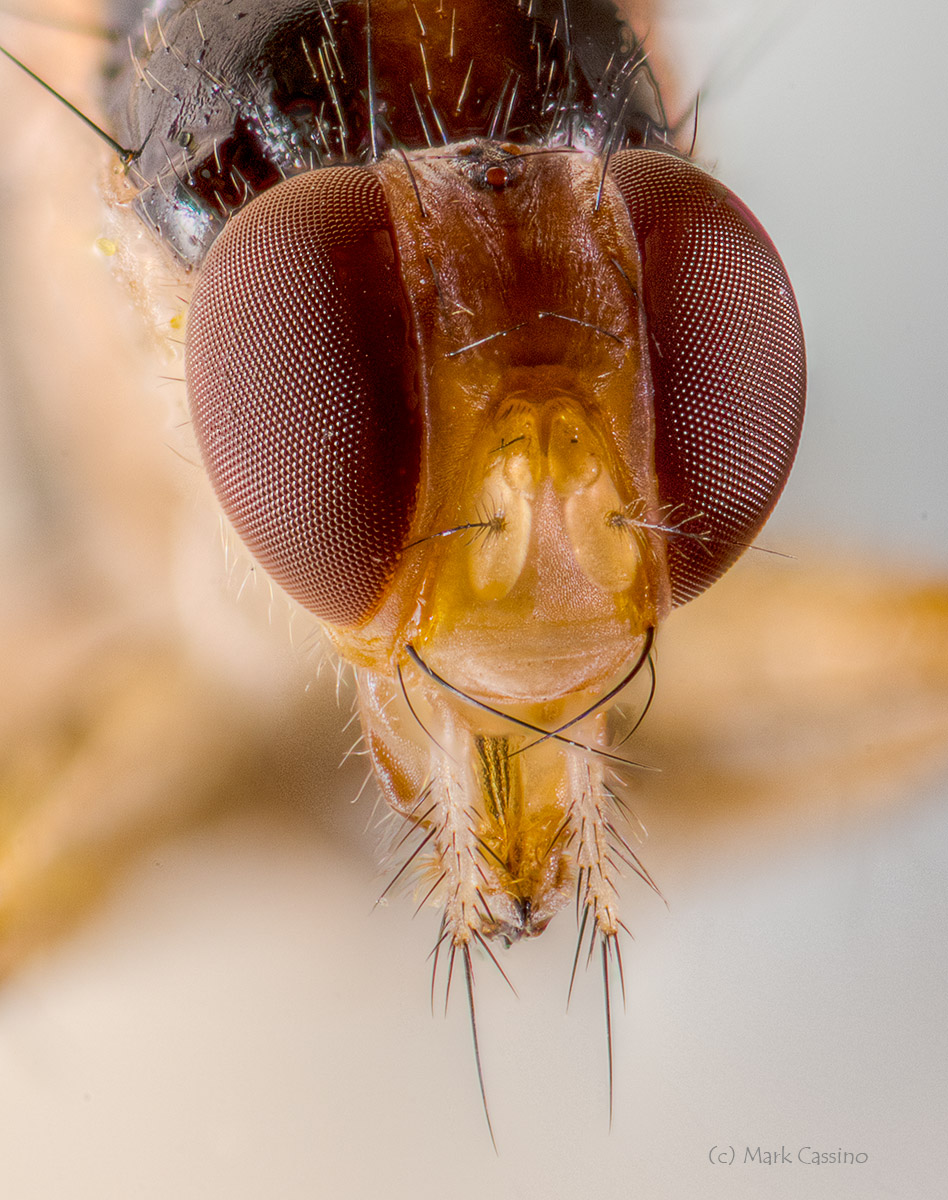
(301, 373)
(727, 360)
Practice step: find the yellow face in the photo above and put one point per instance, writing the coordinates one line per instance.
(141, 694)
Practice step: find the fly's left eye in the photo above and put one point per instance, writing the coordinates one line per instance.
(301, 373)
(727, 361)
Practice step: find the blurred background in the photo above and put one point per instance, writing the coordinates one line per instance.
(233, 1019)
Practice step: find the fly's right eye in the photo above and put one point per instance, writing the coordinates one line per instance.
(302, 379)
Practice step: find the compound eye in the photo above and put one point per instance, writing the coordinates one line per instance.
(727, 360)
(302, 380)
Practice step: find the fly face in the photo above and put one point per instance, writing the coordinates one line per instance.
(827, 937)
(485, 374)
